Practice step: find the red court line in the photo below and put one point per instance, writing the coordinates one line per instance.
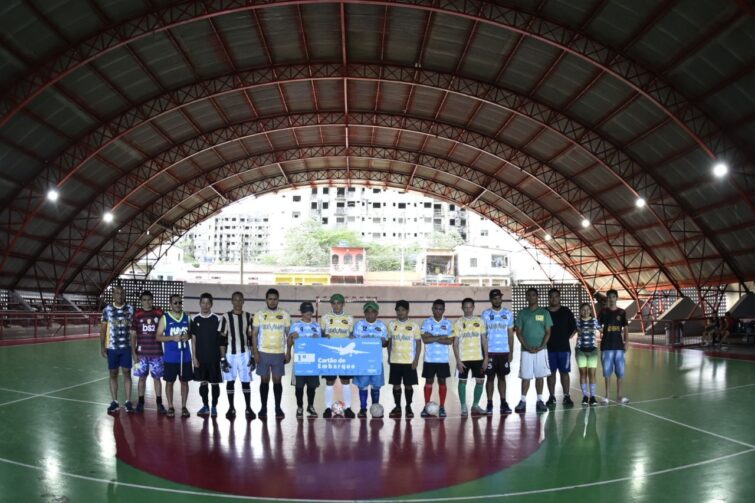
(42, 340)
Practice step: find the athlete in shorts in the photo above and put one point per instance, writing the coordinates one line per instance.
(438, 336)
(471, 352)
(404, 348)
(237, 333)
(337, 325)
(115, 345)
(500, 324)
(173, 332)
(613, 345)
(370, 327)
(306, 327)
(587, 353)
(559, 347)
(208, 352)
(533, 329)
(148, 353)
(269, 343)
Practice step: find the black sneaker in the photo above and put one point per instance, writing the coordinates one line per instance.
(362, 414)
(113, 407)
(585, 401)
(327, 414)
(311, 412)
(262, 414)
(424, 412)
(489, 408)
(279, 414)
(551, 401)
(568, 402)
(161, 409)
(185, 412)
(521, 407)
(540, 406)
(250, 415)
(231, 414)
(442, 412)
(299, 412)
(593, 401)
(409, 412)
(505, 409)
(348, 413)
(139, 409)
(396, 412)
(129, 406)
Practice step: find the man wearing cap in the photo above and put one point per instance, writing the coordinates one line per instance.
(337, 325)
(500, 324)
(370, 326)
(305, 327)
(404, 348)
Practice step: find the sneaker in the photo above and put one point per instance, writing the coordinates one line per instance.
(396, 412)
(129, 406)
(327, 414)
(348, 413)
(477, 411)
(311, 412)
(489, 409)
(605, 401)
(464, 411)
(585, 401)
(231, 414)
(161, 409)
(505, 409)
(250, 415)
(624, 400)
(540, 406)
(279, 414)
(551, 402)
(204, 411)
(139, 409)
(185, 412)
(424, 412)
(441, 412)
(568, 402)
(362, 414)
(409, 412)
(113, 407)
(262, 414)
(171, 412)
(214, 412)
(521, 407)
(593, 401)
(299, 412)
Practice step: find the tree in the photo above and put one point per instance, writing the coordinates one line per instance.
(447, 240)
(309, 244)
(189, 248)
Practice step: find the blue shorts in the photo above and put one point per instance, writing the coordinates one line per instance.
(363, 382)
(149, 365)
(559, 360)
(119, 358)
(613, 361)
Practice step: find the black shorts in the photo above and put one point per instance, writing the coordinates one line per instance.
(498, 365)
(475, 368)
(439, 370)
(308, 381)
(171, 371)
(208, 372)
(402, 372)
(333, 378)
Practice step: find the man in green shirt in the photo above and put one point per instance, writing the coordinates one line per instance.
(533, 329)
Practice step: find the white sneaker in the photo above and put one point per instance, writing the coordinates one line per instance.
(624, 400)
(604, 401)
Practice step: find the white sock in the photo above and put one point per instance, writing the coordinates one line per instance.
(584, 389)
(524, 398)
(540, 397)
(346, 395)
(593, 389)
(328, 396)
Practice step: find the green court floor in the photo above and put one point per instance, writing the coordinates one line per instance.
(687, 435)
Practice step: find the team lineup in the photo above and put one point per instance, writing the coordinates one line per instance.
(213, 349)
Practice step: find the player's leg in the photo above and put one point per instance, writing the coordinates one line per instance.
(478, 389)
(204, 393)
(141, 372)
(607, 359)
(619, 366)
(429, 374)
(186, 375)
(346, 386)
(502, 370)
(112, 365)
(526, 374)
(395, 380)
(312, 383)
(583, 379)
(564, 370)
(278, 371)
(410, 379)
(126, 364)
(362, 383)
(158, 387)
(490, 373)
(264, 371)
(553, 361)
(329, 392)
(592, 366)
(229, 378)
(299, 394)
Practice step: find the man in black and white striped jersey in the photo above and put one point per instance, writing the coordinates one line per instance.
(237, 328)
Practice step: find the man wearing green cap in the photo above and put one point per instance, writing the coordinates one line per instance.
(337, 325)
(370, 326)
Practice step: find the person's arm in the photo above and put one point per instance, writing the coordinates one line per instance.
(460, 366)
(193, 346)
(160, 332)
(103, 338)
(132, 333)
(255, 336)
(417, 351)
(510, 331)
(625, 336)
(285, 338)
(484, 343)
(518, 332)
(545, 340)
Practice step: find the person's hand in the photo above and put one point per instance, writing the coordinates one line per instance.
(295, 335)
(484, 364)
(626, 346)
(461, 367)
(134, 358)
(103, 352)
(224, 366)
(184, 337)
(511, 356)
(288, 358)
(252, 364)
(195, 363)
(414, 365)
(256, 356)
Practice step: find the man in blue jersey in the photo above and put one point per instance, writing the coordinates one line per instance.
(173, 332)
(305, 327)
(370, 326)
(437, 335)
(500, 323)
(115, 345)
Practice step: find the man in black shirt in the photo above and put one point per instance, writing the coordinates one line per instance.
(613, 344)
(559, 349)
(207, 353)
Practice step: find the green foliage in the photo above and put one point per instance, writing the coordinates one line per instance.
(448, 240)
(382, 257)
(309, 244)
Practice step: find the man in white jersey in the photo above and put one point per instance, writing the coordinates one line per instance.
(437, 335)
(500, 323)
(237, 332)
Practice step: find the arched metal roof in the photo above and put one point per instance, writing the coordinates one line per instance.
(535, 114)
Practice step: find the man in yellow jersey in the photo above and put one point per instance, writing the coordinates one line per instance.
(269, 337)
(471, 351)
(337, 325)
(404, 348)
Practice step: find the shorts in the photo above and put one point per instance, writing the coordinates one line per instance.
(308, 381)
(208, 372)
(402, 372)
(587, 360)
(559, 360)
(239, 367)
(613, 362)
(534, 366)
(333, 378)
(363, 382)
(149, 364)
(473, 367)
(274, 363)
(119, 358)
(440, 370)
(172, 370)
(498, 365)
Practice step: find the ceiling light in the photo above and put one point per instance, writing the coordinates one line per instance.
(640, 202)
(107, 217)
(548, 237)
(585, 223)
(720, 169)
(52, 195)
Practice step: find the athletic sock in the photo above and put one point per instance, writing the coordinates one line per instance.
(540, 397)
(204, 393)
(362, 398)
(159, 400)
(593, 389)
(215, 394)
(278, 394)
(490, 403)
(397, 396)
(478, 387)
(346, 395)
(463, 392)
(375, 394)
(311, 395)
(428, 392)
(442, 391)
(584, 387)
(328, 396)
(264, 391)
(524, 398)
(247, 394)
(230, 392)
(299, 397)
(408, 393)
(141, 400)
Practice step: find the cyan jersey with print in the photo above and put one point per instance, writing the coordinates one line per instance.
(498, 324)
(437, 353)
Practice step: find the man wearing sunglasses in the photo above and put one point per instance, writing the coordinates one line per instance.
(173, 332)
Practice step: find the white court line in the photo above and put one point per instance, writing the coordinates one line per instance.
(33, 395)
(687, 395)
(406, 500)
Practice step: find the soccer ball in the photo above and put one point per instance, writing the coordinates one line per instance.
(376, 410)
(337, 408)
(432, 408)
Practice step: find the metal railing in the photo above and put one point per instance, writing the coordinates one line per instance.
(25, 324)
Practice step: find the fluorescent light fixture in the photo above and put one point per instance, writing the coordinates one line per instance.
(52, 195)
(107, 217)
(640, 202)
(720, 169)
(585, 223)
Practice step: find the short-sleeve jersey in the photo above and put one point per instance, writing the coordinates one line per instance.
(434, 352)
(469, 333)
(118, 321)
(363, 328)
(337, 326)
(532, 323)
(273, 327)
(498, 324)
(176, 327)
(145, 326)
(235, 328)
(613, 323)
(206, 329)
(303, 329)
(586, 334)
(403, 336)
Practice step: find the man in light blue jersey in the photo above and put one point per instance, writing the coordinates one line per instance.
(305, 327)
(370, 326)
(500, 324)
(437, 334)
